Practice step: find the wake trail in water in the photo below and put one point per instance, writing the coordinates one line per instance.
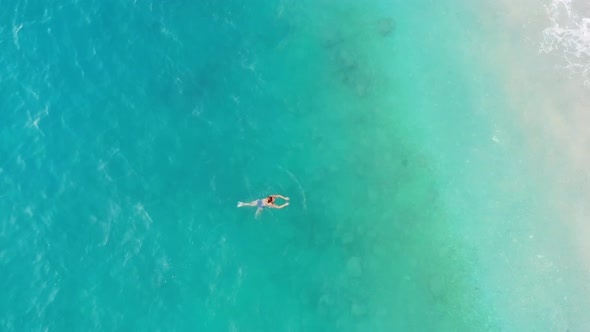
(301, 191)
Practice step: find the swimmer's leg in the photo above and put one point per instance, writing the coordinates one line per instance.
(258, 212)
(253, 203)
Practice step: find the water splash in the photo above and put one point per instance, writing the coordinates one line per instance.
(569, 36)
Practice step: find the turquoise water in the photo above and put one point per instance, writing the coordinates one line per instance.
(420, 196)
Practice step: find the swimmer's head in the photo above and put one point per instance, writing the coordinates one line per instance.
(269, 199)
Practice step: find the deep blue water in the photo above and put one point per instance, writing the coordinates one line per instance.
(129, 132)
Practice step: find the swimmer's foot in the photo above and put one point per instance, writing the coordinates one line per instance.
(240, 204)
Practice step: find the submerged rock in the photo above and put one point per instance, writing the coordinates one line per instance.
(436, 287)
(386, 26)
(346, 60)
(354, 267)
(358, 309)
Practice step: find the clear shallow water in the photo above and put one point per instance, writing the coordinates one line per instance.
(129, 130)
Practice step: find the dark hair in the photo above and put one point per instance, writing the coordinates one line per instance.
(269, 200)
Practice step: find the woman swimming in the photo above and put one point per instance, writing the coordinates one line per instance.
(268, 202)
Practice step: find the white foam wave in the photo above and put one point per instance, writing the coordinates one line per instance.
(569, 36)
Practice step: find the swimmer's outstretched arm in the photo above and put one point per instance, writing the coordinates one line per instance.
(280, 196)
(280, 206)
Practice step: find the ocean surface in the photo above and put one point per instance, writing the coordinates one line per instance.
(435, 154)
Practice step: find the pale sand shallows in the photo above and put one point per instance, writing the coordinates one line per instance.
(546, 281)
(555, 114)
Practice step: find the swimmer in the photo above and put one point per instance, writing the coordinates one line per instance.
(268, 202)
